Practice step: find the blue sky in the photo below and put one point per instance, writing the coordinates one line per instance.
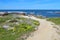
(29, 4)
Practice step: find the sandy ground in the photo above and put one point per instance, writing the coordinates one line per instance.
(45, 30)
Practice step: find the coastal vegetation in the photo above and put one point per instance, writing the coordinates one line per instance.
(55, 20)
(16, 28)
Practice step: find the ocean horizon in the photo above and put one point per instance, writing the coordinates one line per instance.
(46, 13)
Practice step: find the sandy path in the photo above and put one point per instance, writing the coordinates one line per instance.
(44, 32)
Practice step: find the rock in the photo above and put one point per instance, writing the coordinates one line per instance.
(6, 26)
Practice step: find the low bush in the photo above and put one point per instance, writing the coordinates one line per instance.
(24, 27)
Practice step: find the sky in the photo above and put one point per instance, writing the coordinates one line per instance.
(29, 4)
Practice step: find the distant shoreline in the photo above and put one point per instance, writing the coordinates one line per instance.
(46, 13)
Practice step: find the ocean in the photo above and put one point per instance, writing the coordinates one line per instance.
(47, 13)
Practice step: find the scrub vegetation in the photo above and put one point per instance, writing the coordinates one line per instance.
(16, 28)
(55, 20)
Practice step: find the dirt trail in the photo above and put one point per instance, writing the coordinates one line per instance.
(45, 30)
